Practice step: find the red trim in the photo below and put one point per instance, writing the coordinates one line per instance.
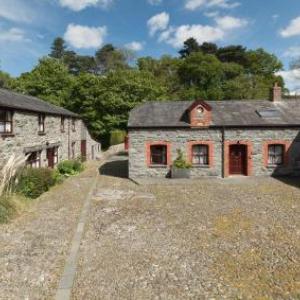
(285, 143)
(210, 145)
(206, 120)
(148, 152)
(249, 145)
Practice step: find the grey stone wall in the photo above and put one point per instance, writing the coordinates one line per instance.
(26, 137)
(179, 139)
(258, 137)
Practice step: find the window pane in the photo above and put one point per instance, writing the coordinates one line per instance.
(275, 154)
(2, 127)
(9, 116)
(7, 127)
(2, 115)
(158, 155)
(200, 154)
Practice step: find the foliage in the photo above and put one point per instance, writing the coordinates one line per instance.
(104, 87)
(34, 182)
(49, 80)
(180, 162)
(70, 167)
(117, 137)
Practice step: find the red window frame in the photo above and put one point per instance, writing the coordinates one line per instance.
(149, 161)
(7, 122)
(210, 153)
(285, 145)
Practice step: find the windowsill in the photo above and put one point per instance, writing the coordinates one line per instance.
(7, 134)
(41, 133)
(201, 166)
(158, 166)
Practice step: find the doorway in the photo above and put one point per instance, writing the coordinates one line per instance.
(238, 159)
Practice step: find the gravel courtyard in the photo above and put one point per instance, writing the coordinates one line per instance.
(207, 239)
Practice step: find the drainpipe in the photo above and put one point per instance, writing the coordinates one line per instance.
(69, 142)
(223, 152)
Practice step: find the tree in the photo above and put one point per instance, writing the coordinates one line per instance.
(49, 80)
(201, 76)
(233, 53)
(209, 48)
(109, 58)
(189, 46)
(58, 48)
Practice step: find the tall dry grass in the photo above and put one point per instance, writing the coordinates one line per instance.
(9, 202)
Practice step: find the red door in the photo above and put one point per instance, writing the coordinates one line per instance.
(83, 150)
(50, 157)
(238, 160)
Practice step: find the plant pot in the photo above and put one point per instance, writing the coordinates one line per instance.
(180, 173)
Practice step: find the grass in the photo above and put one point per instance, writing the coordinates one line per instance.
(10, 206)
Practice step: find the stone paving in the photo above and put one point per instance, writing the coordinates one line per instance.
(213, 239)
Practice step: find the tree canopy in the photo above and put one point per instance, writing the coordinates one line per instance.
(104, 87)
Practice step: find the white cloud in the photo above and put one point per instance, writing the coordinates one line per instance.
(194, 4)
(176, 36)
(85, 37)
(16, 11)
(228, 22)
(134, 46)
(292, 52)
(78, 5)
(202, 33)
(154, 2)
(158, 22)
(13, 35)
(292, 29)
(292, 79)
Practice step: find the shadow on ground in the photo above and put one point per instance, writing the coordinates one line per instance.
(117, 166)
(292, 181)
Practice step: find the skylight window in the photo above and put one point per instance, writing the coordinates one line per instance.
(268, 113)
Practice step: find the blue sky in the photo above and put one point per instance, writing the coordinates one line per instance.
(150, 27)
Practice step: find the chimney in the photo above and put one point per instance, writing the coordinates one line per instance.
(276, 93)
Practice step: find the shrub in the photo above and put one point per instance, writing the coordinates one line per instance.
(117, 137)
(70, 167)
(34, 182)
(180, 162)
(7, 208)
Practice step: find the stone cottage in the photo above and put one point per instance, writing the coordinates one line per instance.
(45, 133)
(219, 138)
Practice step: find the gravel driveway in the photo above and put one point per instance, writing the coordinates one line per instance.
(33, 247)
(206, 239)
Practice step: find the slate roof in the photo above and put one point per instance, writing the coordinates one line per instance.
(227, 113)
(23, 102)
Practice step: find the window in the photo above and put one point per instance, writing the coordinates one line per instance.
(62, 124)
(200, 155)
(5, 121)
(158, 155)
(41, 123)
(55, 155)
(275, 154)
(34, 159)
(73, 124)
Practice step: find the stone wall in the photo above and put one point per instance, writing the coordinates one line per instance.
(179, 139)
(26, 137)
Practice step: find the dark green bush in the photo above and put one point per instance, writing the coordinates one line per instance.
(117, 137)
(70, 167)
(34, 182)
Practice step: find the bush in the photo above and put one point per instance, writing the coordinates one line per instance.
(7, 209)
(180, 162)
(117, 137)
(34, 182)
(70, 167)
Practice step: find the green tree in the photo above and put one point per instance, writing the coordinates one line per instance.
(109, 58)
(49, 80)
(201, 76)
(58, 48)
(233, 53)
(189, 46)
(209, 48)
